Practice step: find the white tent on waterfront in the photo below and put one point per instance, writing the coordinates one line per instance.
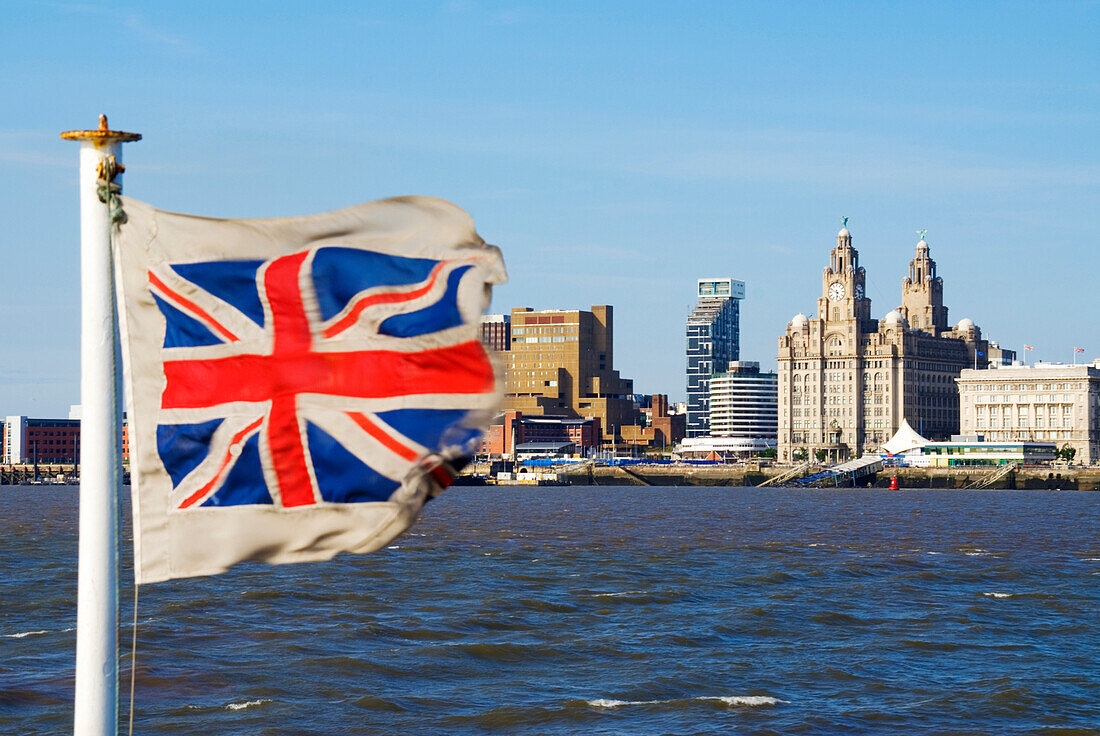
(904, 440)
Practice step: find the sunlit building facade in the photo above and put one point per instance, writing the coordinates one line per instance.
(1045, 402)
(561, 364)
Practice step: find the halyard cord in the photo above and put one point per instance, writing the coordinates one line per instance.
(133, 659)
(108, 191)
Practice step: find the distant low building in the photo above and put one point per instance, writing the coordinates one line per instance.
(529, 450)
(513, 426)
(29, 440)
(908, 448)
(661, 428)
(721, 448)
(975, 452)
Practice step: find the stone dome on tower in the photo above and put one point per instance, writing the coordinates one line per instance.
(799, 321)
(893, 318)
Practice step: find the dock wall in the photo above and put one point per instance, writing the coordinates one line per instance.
(1084, 479)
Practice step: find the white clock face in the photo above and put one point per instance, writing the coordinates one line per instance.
(836, 291)
(859, 291)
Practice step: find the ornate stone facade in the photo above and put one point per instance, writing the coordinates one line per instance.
(1046, 402)
(847, 380)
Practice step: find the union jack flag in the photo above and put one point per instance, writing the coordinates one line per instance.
(309, 363)
(299, 386)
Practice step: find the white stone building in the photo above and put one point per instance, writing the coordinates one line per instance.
(1045, 402)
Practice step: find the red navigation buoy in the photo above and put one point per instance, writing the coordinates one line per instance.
(894, 483)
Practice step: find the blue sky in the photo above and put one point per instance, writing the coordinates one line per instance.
(615, 151)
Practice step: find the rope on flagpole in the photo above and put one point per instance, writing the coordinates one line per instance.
(108, 190)
(133, 659)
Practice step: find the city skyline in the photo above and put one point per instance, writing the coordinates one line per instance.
(616, 154)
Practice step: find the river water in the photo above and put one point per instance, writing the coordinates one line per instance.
(602, 611)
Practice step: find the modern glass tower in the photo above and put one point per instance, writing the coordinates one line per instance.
(713, 340)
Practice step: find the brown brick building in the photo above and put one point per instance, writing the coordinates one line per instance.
(662, 429)
(561, 364)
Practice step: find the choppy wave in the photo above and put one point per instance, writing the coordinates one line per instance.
(25, 634)
(998, 595)
(747, 700)
(246, 704)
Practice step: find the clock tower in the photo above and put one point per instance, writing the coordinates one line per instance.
(843, 285)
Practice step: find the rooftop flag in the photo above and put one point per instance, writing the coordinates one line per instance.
(297, 387)
(1028, 347)
(1078, 350)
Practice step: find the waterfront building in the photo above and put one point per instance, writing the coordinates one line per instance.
(976, 452)
(1045, 402)
(908, 448)
(513, 427)
(75, 413)
(28, 440)
(721, 448)
(561, 363)
(744, 403)
(668, 426)
(847, 380)
(544, 450)
(713, 341)
(496, 331)
(661, 428)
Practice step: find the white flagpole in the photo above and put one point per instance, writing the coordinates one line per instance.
(96, 705)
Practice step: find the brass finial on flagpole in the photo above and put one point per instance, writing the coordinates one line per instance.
(100, 182)
(101, 135)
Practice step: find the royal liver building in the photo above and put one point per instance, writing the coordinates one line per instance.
(846, 381)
